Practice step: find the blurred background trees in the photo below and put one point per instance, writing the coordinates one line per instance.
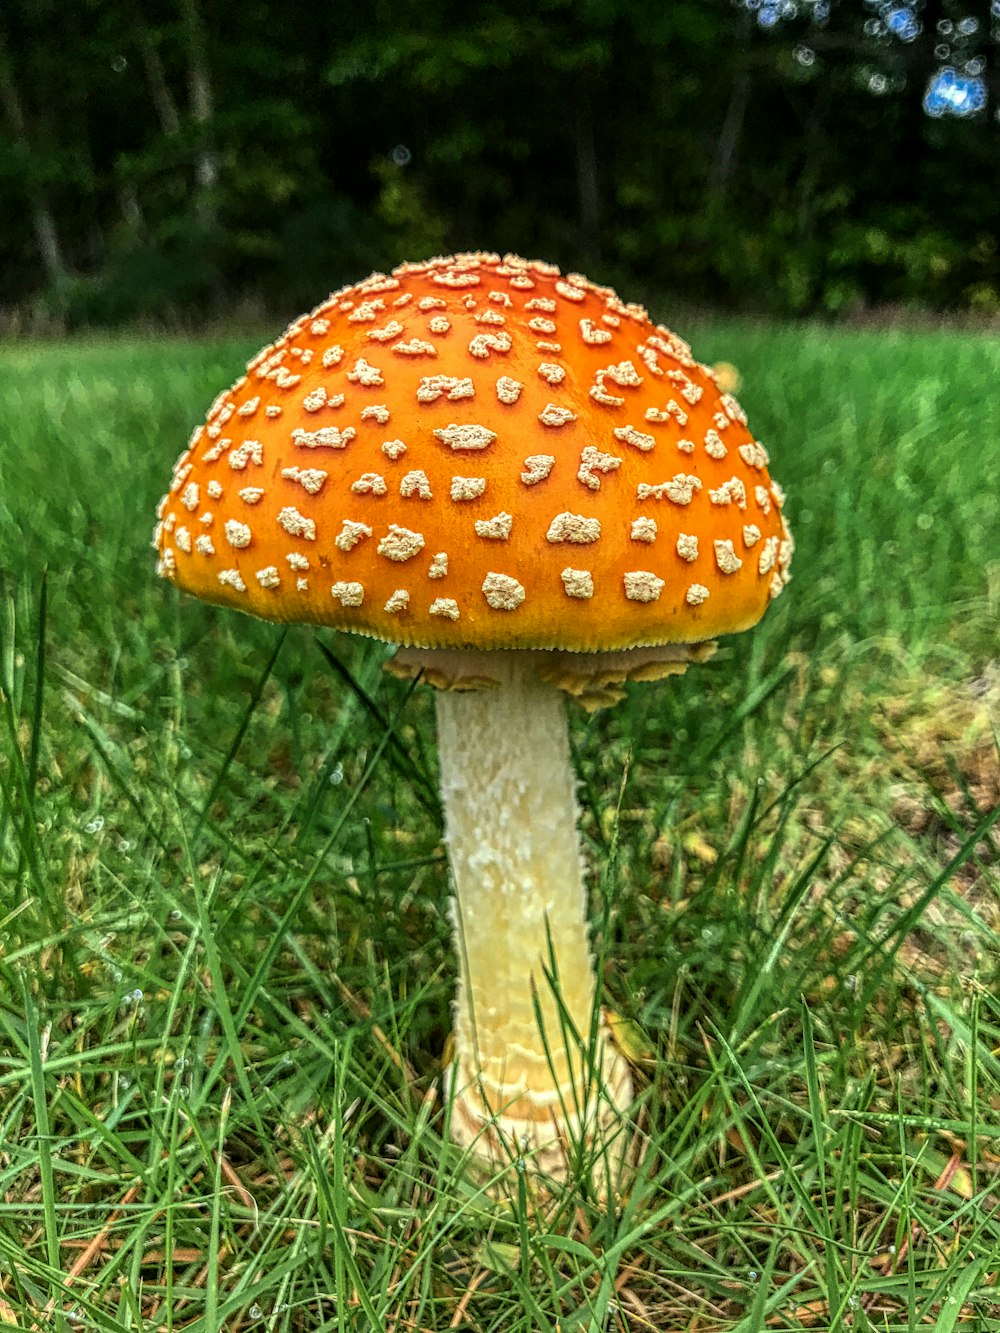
(184, 159)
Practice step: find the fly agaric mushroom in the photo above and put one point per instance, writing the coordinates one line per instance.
(535, 492)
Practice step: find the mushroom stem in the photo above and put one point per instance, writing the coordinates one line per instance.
(532, 1069)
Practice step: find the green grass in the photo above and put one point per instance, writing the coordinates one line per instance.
(225, 965)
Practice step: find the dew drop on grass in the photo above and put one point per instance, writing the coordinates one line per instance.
(255, 1312)
(95, 825)
(753, 1275)
(337, 776)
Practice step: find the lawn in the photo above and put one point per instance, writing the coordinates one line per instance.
(225, 963)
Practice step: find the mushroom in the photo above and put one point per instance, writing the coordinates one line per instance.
(535, 492)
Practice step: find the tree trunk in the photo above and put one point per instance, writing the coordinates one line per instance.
(588, 190)
(159, 90)
(206, 166)
(727, 147)
(42, 218)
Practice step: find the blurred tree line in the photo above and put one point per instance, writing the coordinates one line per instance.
(177, 159)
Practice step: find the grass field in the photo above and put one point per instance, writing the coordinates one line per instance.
(225, 964)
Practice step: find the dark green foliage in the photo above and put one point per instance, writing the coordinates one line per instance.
(172, 160)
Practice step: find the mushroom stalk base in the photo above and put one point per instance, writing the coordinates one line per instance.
(535, 1070)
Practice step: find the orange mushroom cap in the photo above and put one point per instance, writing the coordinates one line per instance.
(476, 452)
